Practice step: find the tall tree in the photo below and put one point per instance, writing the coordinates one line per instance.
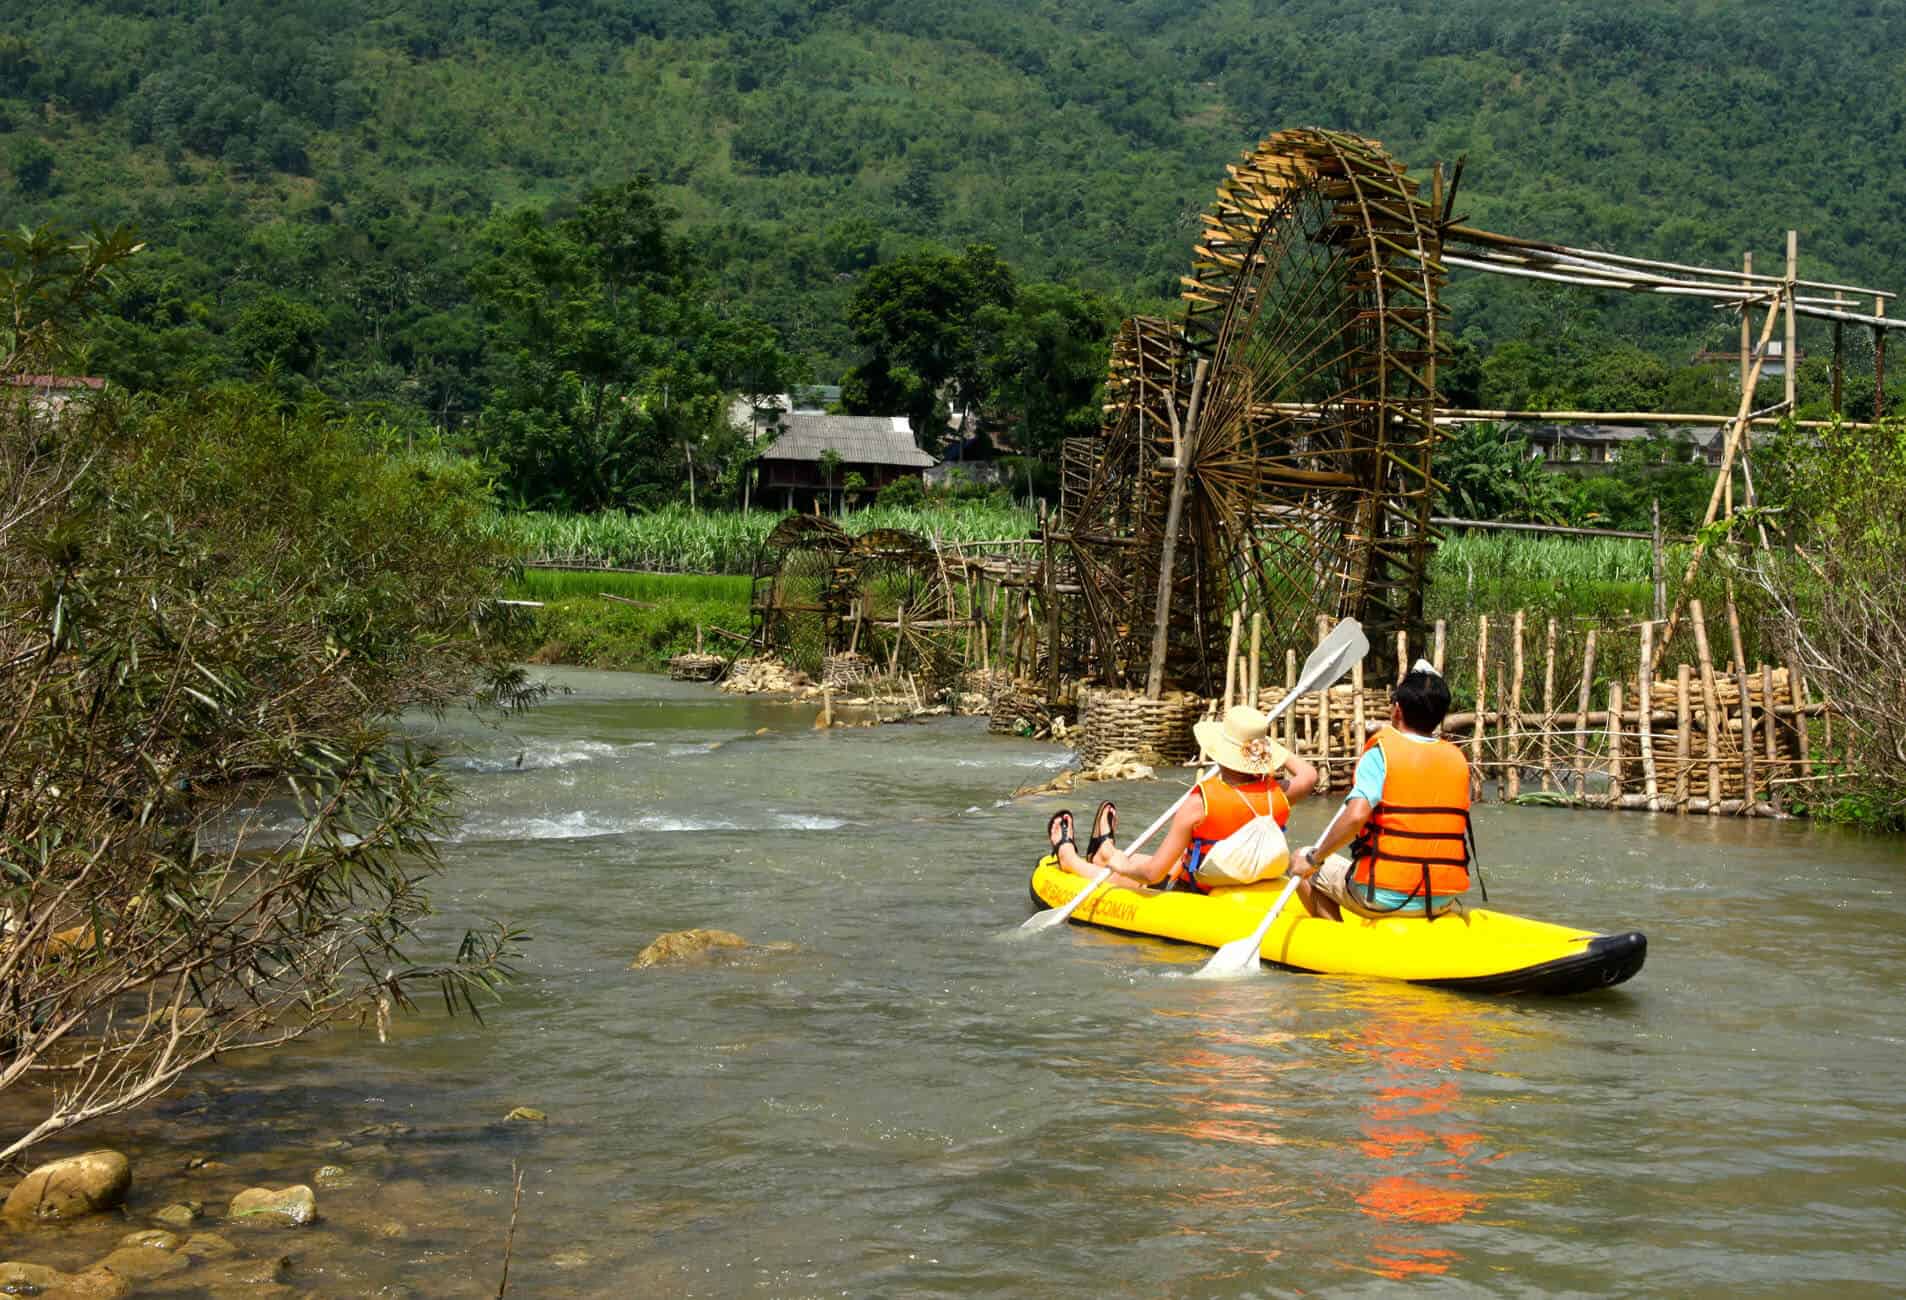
(928, 323)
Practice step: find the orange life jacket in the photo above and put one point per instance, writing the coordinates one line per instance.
(1417, 839)
(1228, 808)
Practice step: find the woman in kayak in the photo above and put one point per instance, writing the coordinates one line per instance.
(1406, 820)
(1256, 776)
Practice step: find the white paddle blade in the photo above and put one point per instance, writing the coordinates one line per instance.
(1240, 956)
(1057, 915)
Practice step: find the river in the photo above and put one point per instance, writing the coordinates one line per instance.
(910, 1100)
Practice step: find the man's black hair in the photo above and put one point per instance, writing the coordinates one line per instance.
(1424, 698)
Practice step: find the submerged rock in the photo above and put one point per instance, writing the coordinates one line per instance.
(157, 1238)
(332, 1177)
(143, 1263)
(240, 1273)
(682, 945)
(179, 1214)
(207, 1245)
(17, 1277)
(292, 1206)
(69, 1188)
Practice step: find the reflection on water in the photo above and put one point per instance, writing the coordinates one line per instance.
(894, 1104)
(1420, 1137)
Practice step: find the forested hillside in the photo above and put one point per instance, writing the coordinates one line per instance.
(323, 180)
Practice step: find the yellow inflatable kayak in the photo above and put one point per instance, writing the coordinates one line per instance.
(1478, 951)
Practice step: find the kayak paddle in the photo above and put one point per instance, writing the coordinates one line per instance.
(1332, 658)
(1240, 955)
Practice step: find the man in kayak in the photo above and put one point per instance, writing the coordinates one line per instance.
(1406, 820)
(1256, 776)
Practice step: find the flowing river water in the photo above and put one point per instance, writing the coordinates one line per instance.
(909, 1100)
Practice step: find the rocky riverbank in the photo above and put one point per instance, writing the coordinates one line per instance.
(302, 1214)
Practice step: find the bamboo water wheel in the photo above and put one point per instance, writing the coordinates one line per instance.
(1299, 395)
(882, 597)
(798, 599)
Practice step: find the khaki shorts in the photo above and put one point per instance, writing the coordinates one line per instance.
(1333, 880)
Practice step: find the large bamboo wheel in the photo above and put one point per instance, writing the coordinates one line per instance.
(1312, 318)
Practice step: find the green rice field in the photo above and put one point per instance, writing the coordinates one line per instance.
(680, 540)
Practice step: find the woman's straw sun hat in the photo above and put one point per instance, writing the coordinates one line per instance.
(1241, 742)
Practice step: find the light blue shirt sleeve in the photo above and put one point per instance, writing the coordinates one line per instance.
(1368, 783)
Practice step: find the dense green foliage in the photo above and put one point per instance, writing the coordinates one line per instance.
(210, 606)
(1833, 593)
(1490, 471)
(577, 626)
(327, 182)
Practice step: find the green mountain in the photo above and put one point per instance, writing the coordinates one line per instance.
(315, 175)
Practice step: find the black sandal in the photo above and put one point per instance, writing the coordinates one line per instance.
(1064, 837)
(1102, 837)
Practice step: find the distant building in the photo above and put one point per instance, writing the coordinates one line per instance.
(765, 414)
(879, 448)
(51, 394)
(1772, 366)
(1598, 444)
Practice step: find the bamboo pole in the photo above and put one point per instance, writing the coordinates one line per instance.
(1482, 705)
(1734, 434)
(1322, 737)
(1052, 607)
(1789, 348)
(1710, 706)
(1357, 733)
(1581, 716)
(1008, 650)
(1231, 658)
(1515, 712)
(1614, 742)
(1548, 711)
(1797, 696)
(1879, 364)
(1174, 510)
(1502, 730)
(1402, 653)
(1683, 677)
(1660, 573)
(1644, 703)
(1257, 645)
(1747, 705)
(1437, 657)
(1773, 741)
(900, 634)
(1290, 710)
(1839, 357)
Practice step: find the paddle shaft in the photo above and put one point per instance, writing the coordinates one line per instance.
(1315, 674)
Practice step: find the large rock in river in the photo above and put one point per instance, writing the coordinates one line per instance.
(292, 1206)
(683, 945)
(69, 1188)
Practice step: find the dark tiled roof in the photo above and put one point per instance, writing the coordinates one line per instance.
(857, 439)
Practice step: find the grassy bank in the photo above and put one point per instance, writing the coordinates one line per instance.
(577, 625)
(679, 540)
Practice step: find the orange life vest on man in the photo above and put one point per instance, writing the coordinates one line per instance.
(1228, 808)
(1417, 839)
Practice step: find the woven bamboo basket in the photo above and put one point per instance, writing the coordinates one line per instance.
(1158, 731)
(846, 670)
(696, 667)
(1019, 708)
